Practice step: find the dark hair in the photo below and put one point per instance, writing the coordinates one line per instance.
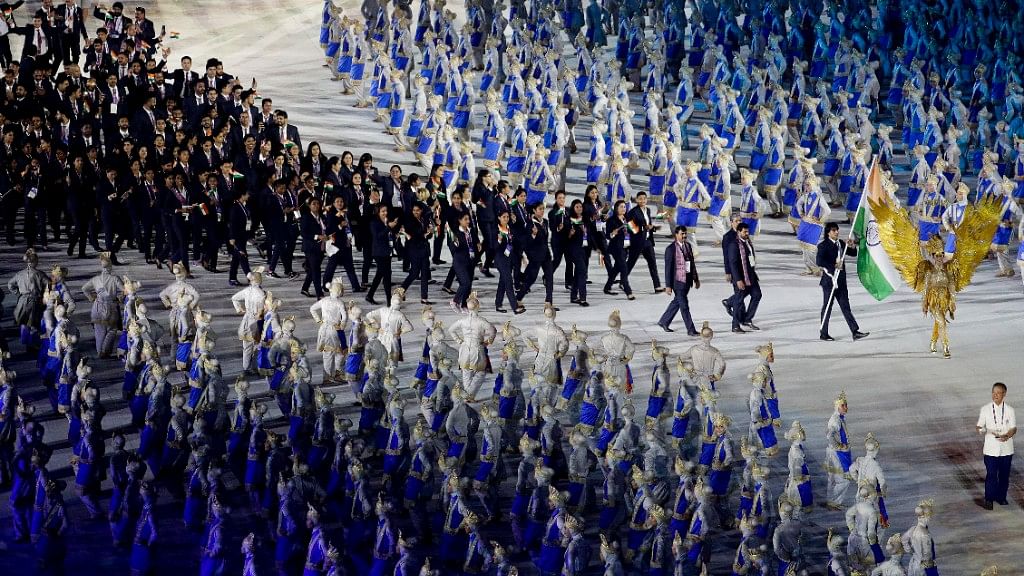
(366, 156)
(742, 226)
(641, 193)
(831, 226)
(999, 385)
(679, 229)
(559, 193)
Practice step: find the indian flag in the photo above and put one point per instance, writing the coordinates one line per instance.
(874, 267)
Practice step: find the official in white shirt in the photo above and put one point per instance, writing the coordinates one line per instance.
(998, 422)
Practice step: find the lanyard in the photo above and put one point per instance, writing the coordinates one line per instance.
(1002, 413)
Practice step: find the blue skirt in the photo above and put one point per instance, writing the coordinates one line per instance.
(767, 436)
(657, 185)
(853, 201)
(926, 230)
(397, 118)
(950, 246)
(550, 559)
(809, 233)
(687, 217)
(670, 199)
(276, 379)
(384, 100)
(831, 166)
(263, 358)
(183, 353)
(353, 364)
(680, 426)
(594, 173)
(141, 561)
(589, 414)
(344, 65)
(707, 453)
(753, 223)
(255, 473)
(806, 494)
(846, 183)
(845, 458)
(485, 82)
(757, 159)
(535, 196)
(332, 49)
(795, 110)
(715, 209)
(515, 164)
(506, 406)
(484, 471)
(655, 406)
(719, 481)
(491, 150)
(425, 144)
(554, 157)
(122, 342)
(461, 119)
(358, 68)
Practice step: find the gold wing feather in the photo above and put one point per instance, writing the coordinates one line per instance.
(899, 238)
(973, 238)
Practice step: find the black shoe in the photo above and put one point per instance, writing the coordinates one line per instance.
(293, 275)
(116, 262)
(372, 301)
(751, 326)
(234, 283)
(273, 274)
(739, 330)
(826, 338)
(694, 333)
(574, 300)
(583, 303)
(501, 311)
(859, 335)
(519, 310)
(666, 328)
(1002, 502)
(426, 302)
(728, 308)
(71, 250)
(987, 505)
(630, 297)
(307, 294)
(431, 281)
(487, 272)
(439, 262)
(610, 293)
(447, 290)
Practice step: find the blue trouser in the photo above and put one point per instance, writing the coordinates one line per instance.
(997, 477)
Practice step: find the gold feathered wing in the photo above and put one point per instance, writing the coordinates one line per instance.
(973, 238)
(899, 238)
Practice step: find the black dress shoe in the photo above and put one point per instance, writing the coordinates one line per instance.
(447, 290)
(234, 283)
(71, 250)
(859, 335)
(751, 326)
(307, 294)
(487, 272)
(630, 297)
(694, 333)
(583, 303)
(610, 293)
(372, 301)
(987, 505)
(728, 308)
(1002, 502)
(501, 311)
(439, 262)
(739, 330)
(826, 338)
(272, 274)
(519, 310)
(426, 302)
(666, 328)
(574, 300)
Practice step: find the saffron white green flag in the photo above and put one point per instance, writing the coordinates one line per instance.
(874, 267)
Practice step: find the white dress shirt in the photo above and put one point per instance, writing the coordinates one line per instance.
(996, 421)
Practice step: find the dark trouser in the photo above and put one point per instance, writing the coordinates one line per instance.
(343, 257)
(55, 215)
(680, 303)
(841, 297)
(557, 252)
(419, 268)
(997, 477)
(744, 313)
(215, 233)
(238, 258)
(314, 263)
(5, 51)
(80, 217)
(111, 228)
(284, 248)
(533, 268)
(71, 49)
(151, 224)
(438, 243)
(179, 241)
(505, 283)
(464, 273)
(490, 232)
(382, 273)
(647, 251)
(367, 260)
(618, 259)
(9, 206)
(35, 222)
(578, 258)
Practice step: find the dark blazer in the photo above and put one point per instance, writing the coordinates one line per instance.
(826, 258)
(273, 132)
(459, 246)
(636, 216)
(183, 83)
(310, 229)
(727, 239)
(29, 32)
(670, 267)
(536, 247)
(735, 263)
(381, 242)
(76, 27)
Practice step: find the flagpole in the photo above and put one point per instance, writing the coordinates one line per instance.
(846, 247)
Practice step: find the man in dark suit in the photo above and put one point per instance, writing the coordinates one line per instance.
(98, 59)
(282, 132)
(728, 239)
(829, 257)
(680, 276)
(72, 26)
(184, 79)
(115, 22)
(742, 265)
(239, 226)
(538, 255)
(40, 40)
(642, 242)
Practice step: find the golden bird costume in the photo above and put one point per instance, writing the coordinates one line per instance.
(938, 277)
